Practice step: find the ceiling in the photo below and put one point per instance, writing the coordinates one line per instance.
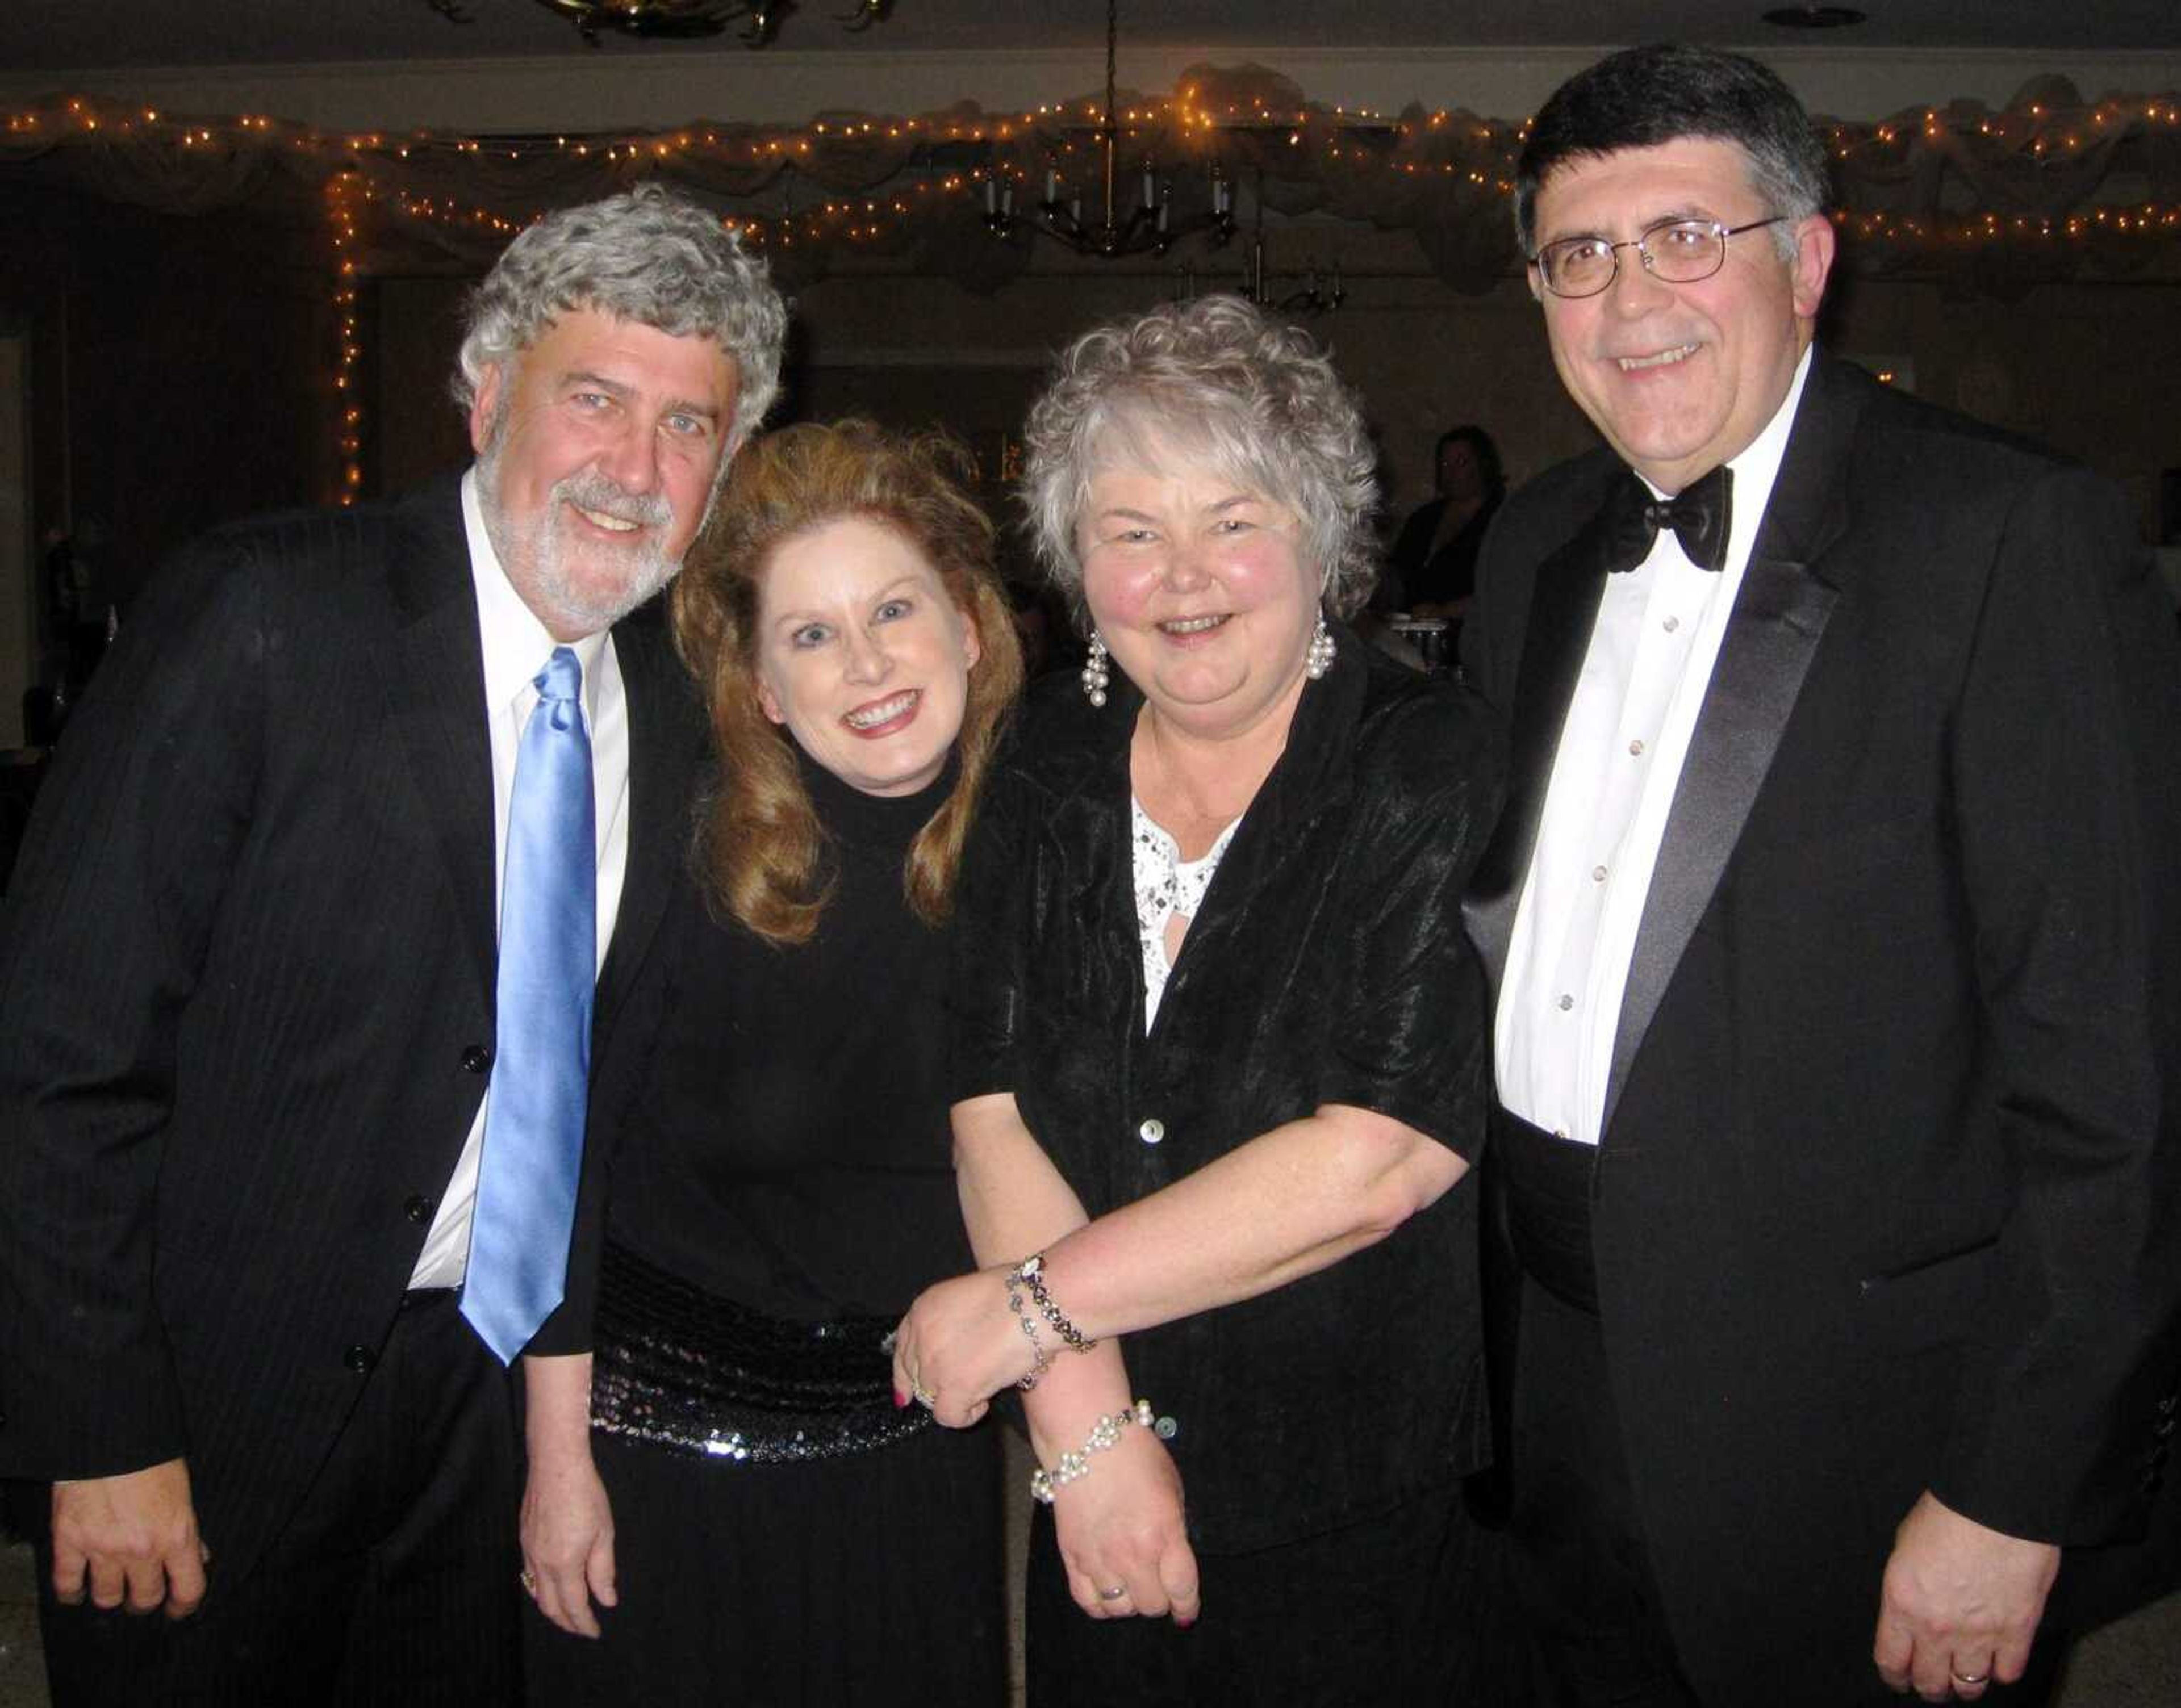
(39, 36)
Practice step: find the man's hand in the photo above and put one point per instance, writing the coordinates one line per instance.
(130, 1541)
(1960, 1604)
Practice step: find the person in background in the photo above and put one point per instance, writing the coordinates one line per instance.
(1835, 928)
(722, 1493)
(1220, 1059)
(1433, 567)
(297, 998)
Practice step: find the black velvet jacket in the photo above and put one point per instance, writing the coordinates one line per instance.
(1329, 965)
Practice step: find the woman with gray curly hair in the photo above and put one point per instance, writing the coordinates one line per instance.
(1218, 1060)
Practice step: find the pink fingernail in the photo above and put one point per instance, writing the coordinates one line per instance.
(900, 1399)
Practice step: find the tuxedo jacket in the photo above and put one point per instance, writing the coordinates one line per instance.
(246, 998)
(1884, 1200)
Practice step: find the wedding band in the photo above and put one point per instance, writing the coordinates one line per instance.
(1113, 1594)
(1970, 1677)
(923, 1397)
(528, 1579)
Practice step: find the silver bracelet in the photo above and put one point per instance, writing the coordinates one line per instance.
(1104, 1434)
(1041, 1360)
(1030, 1272)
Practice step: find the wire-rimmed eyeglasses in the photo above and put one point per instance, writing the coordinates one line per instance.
(1680, 251)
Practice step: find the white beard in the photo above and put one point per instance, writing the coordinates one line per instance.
(534, 551)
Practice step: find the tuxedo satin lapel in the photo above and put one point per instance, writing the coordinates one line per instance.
(1778, 617)
(1563, 609)
(661, 756)
(435, 690)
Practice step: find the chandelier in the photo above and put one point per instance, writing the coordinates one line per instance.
(1147, 229)
(681, 20)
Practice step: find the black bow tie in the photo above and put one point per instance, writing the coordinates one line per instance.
(1699, 515)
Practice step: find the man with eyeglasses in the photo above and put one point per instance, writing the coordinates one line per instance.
(1833, 928)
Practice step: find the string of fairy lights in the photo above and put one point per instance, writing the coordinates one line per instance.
(936, 168)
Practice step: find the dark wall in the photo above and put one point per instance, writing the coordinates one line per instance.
(182, 371)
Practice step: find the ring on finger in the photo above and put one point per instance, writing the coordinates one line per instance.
(1115, 1593)
(1970, 1677)
(528, 1579)
(923, 1396)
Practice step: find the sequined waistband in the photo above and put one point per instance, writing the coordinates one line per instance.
(681, 1369)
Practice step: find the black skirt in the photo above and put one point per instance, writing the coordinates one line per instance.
(783, 1537)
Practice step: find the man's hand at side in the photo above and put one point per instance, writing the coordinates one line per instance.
(1960, 1604)
(129, 1541)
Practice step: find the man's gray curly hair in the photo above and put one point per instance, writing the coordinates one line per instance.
(648, 256)
(1218, 380)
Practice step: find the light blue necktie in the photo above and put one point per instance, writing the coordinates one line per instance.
(533, 1126)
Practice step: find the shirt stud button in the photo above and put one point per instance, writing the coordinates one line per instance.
(1636, 747)
(1597, 874)
(1567, 1003)
(1153, 1130)
(1166, 1429)
(1672, 623)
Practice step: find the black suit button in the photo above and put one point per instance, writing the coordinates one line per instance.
(418, 1210)
(477, 1058)
(360, 1359)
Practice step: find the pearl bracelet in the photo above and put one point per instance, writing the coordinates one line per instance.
(1104, 1434)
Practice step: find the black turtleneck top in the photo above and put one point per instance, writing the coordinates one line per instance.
(785, 1146)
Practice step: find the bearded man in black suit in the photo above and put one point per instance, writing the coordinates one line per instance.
(1832, 925)
(254, 1003)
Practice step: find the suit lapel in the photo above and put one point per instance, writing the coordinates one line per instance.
(436, 685)
(1564, 602)
(1778, 617)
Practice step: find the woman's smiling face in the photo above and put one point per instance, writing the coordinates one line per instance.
(1200, 591)
(862, 656)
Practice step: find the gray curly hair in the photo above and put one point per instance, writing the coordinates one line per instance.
(1215, 378)
(648, 256)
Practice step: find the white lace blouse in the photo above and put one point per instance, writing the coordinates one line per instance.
(1166, 884)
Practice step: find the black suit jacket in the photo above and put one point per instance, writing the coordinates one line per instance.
(1882, 1202)
(246, 983)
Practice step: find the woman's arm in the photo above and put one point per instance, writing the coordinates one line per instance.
(567, 1522)
(1120, 1526)
(1285, 1205)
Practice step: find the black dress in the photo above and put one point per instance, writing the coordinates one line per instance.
(1416, 575)
(1321, 1429)
(781, 1191)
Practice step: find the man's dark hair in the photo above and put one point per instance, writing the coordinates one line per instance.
(1644, 97)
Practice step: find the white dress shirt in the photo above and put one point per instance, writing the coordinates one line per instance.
(1627, 733)
(516, 646)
